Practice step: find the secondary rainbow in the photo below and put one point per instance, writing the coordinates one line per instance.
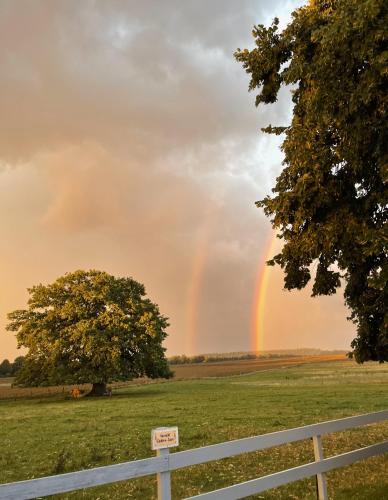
(196, 285)
(194, 295)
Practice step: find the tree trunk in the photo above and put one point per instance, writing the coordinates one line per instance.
(98, 389)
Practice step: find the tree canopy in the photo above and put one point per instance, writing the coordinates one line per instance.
(329, 204)
(89, 326)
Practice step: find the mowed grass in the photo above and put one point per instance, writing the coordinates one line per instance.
(54, 434)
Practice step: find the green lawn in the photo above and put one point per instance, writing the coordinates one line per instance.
(43, 436)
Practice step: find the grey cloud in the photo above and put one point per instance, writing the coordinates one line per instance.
(174, 83)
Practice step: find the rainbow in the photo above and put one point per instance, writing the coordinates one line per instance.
(260, 295)
(194, 298)
(196, 284)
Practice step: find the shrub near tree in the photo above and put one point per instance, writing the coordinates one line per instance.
(8, 369)
(329, 204)
(90, 327)
(5, 368)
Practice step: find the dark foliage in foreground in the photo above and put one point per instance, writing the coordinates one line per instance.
(330, 202)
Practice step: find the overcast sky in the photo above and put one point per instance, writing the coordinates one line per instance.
(129, 143)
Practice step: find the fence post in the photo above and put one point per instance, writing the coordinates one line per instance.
(162, 439)
(321, 478)
(164, 478)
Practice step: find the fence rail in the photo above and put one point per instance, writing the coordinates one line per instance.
(166, 462)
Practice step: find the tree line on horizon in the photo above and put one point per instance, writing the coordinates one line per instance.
(182, 359)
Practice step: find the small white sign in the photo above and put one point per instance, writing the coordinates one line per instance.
(164, 437)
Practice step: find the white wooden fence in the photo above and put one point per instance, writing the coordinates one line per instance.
(165, 462)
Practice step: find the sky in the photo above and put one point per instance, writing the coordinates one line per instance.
(129, 143)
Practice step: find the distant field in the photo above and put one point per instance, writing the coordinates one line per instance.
(54, 434)
(239, 367)
(186, 371)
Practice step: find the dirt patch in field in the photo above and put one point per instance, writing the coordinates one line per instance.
(241, 367)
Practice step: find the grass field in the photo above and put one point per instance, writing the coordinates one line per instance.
(185, 371)
(51, 434)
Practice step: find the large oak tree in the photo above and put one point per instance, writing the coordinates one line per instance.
(89, 326)
(329, 203)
